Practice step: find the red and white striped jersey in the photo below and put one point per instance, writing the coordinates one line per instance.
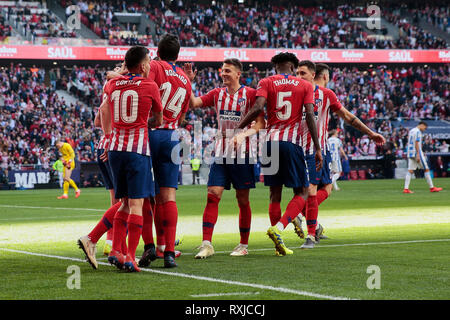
(230, 109)
(102, 142)
(131, 98)
(324, 101)
(175, 89)
(286, 95)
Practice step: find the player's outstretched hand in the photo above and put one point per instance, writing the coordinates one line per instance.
(378, 138)
(187, 68)
(319, 160)
(104, 156)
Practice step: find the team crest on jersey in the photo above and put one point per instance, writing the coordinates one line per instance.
(242, 102)
(318, 103)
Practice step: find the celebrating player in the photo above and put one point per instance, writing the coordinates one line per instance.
(175, 89)
(416, 157)
(130, 98)
(68, 156)
(325, 100)
(336, 150)
(232, 103)
(286, 96)
(88, 242)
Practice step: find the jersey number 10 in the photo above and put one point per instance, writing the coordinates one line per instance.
(120, 106)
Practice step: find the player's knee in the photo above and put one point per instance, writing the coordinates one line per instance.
(312, 190)
(66, 179)
(328, 188)
(242, 198)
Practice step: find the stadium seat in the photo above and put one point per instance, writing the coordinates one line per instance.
(353, 175)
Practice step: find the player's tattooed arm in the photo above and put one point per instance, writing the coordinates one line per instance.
(105, 119)
(353, 120)
(254, 112)
(156, 120)
(311, 123)
(259, 124)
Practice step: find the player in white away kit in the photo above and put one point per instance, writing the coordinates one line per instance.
(336, 150)
(416, 157)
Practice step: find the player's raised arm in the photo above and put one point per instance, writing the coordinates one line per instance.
(195, 102)
(354, 121)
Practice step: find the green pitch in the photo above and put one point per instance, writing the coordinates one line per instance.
(369, 223)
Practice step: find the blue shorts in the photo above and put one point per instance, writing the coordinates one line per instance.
(161, 146)
(319, 177)
(105, 169)
(292, 171)
(242, 176)
(132, 175)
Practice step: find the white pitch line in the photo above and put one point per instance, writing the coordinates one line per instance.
(223, 294)
(190, 276)
(55, 208)
(344, 245)
(52, 217)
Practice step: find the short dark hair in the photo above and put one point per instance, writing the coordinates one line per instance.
(169, 47)
(320, 69)
(424, 123)
(134, 56)
(235, 62)
(309, 64)
(284, 57)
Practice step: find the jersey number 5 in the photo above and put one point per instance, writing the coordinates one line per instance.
(284, 103)
(120, 106)
(177, 100)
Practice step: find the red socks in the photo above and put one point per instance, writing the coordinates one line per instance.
(312, 210)
(158, 215)
(293, 208)
(170, 224)
(120, 230)
(245, 219)
(274, 213)
(105, 224)
(147, 227)
(210, 216)
(322, 195)
(134, 233)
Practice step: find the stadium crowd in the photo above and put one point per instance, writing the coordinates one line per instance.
(33, 116)
(257, 26)
(37, 22)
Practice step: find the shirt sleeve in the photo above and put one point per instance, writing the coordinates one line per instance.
(154, 73)
(335, 105)
(208, 99)
(418, 136)
(262, 89)
(156, 98)
(309, 93)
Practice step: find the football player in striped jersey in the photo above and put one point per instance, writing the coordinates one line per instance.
(416, 157)
(232, 102)
(320, 187)
(287, 98)
(130, 99)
